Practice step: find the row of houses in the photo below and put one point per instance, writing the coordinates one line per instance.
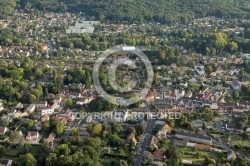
(31, 136)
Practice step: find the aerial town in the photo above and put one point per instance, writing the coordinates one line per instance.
(195, 113)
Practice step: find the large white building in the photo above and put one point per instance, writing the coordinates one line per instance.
(49, 111)
(200, 70)
(83, 27)
(246, 56)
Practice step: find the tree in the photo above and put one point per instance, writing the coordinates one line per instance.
(236, 94)
(203, 126)
(15, 136)
(69, 102)
(4, 122)
(115, 140)
(2, 151)
(94, 142)
(244, 135)
(220, 40)
(123, 163)
(96, 130)
(90, 152)
(32, 98)
(233, 46)
(172, 153)
(116, 127)
(59, 129)
(162, 55)
(39, 72)
(140, 129)
(170, 122)
(131, 130)
(62, 149)
(24, 160)
(100, 104)
(74, 132)
(148, 157)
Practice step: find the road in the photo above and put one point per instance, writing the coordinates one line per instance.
(145, 141)
(71, 125)
(51, 48)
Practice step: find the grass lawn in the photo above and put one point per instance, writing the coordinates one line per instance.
(181, 128)
(166, 143)
(12, 152)
(203, 153)
(35, 150)
(237, 141)
(216, 135)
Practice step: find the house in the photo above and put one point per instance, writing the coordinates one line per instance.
(150, 97)
(214, 106)
(1, 105)
(231, 155)
(82, 100)
(193, 137)
(236, 85)
(44, 46)
(31, 108)
(191, 144)
(198, 123)
(209, 125)
(3, 130)
(107, 149)
(19, 106)
(40, 104)
(159, 155)
(248, 129)
(74, 95)
(50, 140)
(203, 147)
(32, 135)
(246, 56)
(120, 115)
(131, 138)
(162, 102)
(164, 130)
(38, 126)
(192, 80)
(12, 113)
(184, 161)
(202, 132)
(5, 162)
(200, 70)
(45, 117)
(49, 111)
(154, 141)
(57, 100)
(66, 116)
(229, 127)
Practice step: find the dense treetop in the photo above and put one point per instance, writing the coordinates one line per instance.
(166, 11)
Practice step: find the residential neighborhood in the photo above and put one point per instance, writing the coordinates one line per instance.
(196, 110)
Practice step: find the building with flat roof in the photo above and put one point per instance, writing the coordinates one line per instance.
(194, 137)
(82, 27)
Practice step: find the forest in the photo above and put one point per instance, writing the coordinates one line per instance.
(164, 11)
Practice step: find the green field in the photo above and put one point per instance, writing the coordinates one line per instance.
(35, 150)
(216, 135)
(203, 153)
(237, 141)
